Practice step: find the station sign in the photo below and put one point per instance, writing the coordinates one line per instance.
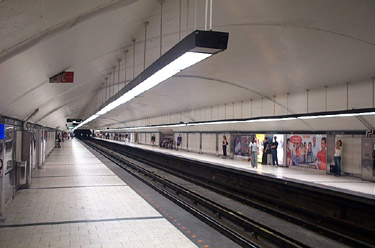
(63, 77)
(2, 131)
(73, 120)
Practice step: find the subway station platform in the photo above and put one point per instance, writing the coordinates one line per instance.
(79, 200)
(316, 178)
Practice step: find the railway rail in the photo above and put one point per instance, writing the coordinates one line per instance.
(325, 212)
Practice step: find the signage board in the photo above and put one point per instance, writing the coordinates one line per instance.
(2, 131)
(73, 120)
(63, 77)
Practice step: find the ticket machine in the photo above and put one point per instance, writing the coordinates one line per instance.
(7, 165)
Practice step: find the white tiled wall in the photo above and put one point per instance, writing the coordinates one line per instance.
(147, 138)
(351, 154)
(194, 142)
(209, 143)
(142, 138)
(51, 139)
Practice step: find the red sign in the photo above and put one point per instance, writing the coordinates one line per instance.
(67, 77)
(295, 139)
(64, 77)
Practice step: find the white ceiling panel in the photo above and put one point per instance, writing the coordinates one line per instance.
(274, 47)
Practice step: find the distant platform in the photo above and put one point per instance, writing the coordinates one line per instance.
(315, 178)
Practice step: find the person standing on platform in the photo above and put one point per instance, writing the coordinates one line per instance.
(225, 143)
(265, 148)
(274, 146)
(337, 158)
(269, 151)
(254, 153)
(179, 141)
(153, 139)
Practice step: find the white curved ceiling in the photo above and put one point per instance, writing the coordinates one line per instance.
(274, 47)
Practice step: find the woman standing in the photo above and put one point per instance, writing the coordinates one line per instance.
(337, 157)
(225, 143)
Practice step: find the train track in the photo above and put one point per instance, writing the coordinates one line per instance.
(236, 226)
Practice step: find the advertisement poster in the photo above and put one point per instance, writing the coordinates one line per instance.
(307, 150)
(241, 145)
(1, 160)
(260, 139)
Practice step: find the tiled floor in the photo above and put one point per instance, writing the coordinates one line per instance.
(76, 201)
(345, 184)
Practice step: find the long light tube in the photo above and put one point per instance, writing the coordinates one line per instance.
(335, 115)
(93, 117)
(184, 61)
(194, 48)
(305, 117)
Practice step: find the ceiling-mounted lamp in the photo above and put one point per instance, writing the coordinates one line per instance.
(194, 48)
(292, 117)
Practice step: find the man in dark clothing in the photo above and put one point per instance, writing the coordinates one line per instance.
(265, 151)
(274, 146)
(153, 139)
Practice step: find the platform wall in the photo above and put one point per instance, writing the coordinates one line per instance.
(351, 154)
(336, 98)
(211, 143)
(194, 142)
(51, 138)
(207, 143)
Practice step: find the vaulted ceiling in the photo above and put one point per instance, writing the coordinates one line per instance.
(274, 47)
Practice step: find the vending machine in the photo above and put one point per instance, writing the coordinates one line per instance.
(7, 165)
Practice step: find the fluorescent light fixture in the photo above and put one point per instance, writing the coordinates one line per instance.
(346, 113)
(212, 123)
(335, 115)
(93, 117)
(195, 47)
(272, 119)
(202, 123)
(181, 63)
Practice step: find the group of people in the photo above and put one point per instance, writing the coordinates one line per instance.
(302, 152)
(61, 137)
(167, 142)
(268, 148)
(297, 153)
(270, 151)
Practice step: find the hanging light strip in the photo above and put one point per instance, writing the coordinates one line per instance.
(197, 46)
(337, 114)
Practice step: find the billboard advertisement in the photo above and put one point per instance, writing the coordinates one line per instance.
(260, 140)
(241, 145)
(306, 151)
